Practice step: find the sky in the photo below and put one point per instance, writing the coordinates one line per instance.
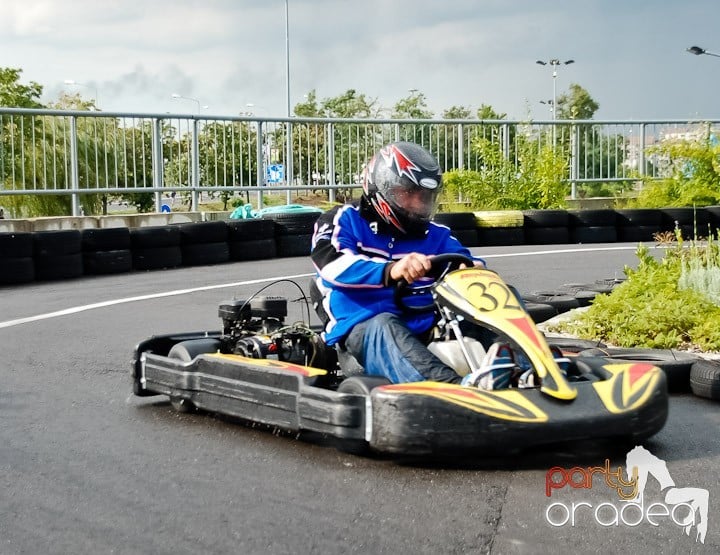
(133, 55)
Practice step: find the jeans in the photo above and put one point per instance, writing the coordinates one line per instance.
(386, 347)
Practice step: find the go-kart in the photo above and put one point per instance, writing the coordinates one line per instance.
(261, 369)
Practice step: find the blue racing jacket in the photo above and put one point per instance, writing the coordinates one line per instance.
(351, 249)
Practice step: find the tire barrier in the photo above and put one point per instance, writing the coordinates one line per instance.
(50, 255)
(106, 250)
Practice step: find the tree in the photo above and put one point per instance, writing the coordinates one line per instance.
(13, 94)
(576, 104)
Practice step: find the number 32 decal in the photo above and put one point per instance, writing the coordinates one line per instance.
(495, 296)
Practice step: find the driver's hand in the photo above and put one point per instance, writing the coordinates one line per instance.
(410, 267)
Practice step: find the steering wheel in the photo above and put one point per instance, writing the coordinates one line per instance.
(440, 265)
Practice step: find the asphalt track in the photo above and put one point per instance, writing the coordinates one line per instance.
(85, 467)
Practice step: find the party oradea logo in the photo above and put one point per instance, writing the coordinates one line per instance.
(684, 507)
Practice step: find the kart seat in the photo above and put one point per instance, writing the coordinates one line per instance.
(348, 363)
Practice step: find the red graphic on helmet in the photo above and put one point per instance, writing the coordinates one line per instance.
(403, 165)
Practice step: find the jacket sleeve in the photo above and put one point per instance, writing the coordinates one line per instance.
(335, 253)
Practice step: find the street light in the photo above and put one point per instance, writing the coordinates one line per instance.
(91, 87)
(550, 103)
(699, 51)
(555, 63)
(177, 96)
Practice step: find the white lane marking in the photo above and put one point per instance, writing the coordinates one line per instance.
(76, 309)
(560, 251)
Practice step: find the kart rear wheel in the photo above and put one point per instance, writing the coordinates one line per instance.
(359, 385)
(187, 351)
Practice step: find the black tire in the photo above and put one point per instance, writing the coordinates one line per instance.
(714, 216)
(288, 223)
(592, 218)
(596, 287)
(186, 351)
(105, 239)
(500, 236)
(17, 270)
(205, 254)
(198, 233)
(545, 218)
(540, 312)
(62, 266)
(107, 262)
(634, 217)
(359, 385)
(573, 344)
(155, 237)
(57, 243)
(559, 301)
(593, 234)
(456, 220)
(685, 217)
(547, 235)
(250, 230)
(16, 245)
(293, 245)
(158, 258)
(257, 249)
(468, 237)
(637, 234)
(675, 364)
(705, 379)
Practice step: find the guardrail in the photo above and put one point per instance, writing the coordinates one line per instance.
(27, 256)
(95, 155)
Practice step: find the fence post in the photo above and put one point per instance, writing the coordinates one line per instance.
(574, 159)
(289, 162)
(331, 160)
(506, 140)
(461, 147)
(641, 154)
(260, 169)
(195, 166)
(74, 171)
(157, 161)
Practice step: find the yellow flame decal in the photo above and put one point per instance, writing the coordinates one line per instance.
(630, 386)
(275, 364)
(505, 404)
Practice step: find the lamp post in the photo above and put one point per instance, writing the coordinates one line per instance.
(554, 63)
(288, 157)
(91, 87)
(699, 51)
(177, 96)
(550, 103)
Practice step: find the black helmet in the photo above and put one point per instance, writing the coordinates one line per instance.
(402, 182)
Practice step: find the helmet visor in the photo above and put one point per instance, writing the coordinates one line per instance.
(416, 203)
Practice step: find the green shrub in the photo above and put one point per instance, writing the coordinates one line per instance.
(651, 308)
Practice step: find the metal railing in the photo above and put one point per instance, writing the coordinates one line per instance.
(78, 153)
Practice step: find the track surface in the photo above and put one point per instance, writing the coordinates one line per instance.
(88, 468)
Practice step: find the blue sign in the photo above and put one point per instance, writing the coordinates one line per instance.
(165, 208)
(275, 173)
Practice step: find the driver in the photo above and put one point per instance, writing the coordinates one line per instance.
(360, 251)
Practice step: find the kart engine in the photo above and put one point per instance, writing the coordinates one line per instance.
(256, 328)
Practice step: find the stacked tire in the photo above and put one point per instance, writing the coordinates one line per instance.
(293, 232)
(252, 239)
(57, 254)
(155, 247)
(592, 226)
(692, 222)
(461, 224)
(106, 250)
(546, 227)
(16, 258)
(637, 224)
(204, 243)
(499, 227)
